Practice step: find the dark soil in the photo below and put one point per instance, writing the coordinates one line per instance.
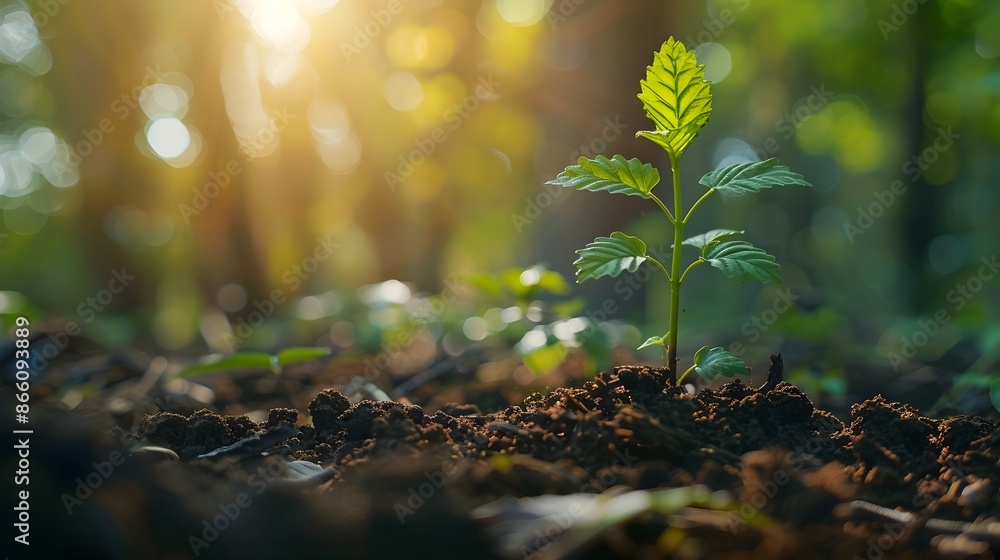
(406, 480)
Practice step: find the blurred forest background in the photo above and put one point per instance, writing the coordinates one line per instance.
(171, 172)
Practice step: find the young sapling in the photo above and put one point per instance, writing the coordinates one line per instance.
(678, 100)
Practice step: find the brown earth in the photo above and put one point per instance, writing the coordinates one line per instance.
(406, 482)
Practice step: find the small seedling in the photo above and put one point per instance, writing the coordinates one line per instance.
(678, 100)
(253, 360)
(259, 360)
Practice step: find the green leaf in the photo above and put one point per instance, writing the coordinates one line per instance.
(596, 344)
(256, 360)
(741, 260)
(673, 141)
(655, 341)
(713, 362)
(244, 360)
(751, 176)
(616, 175)
(487, 284)
(676, 97)
(700, 241)
(526, 283)
(610, 256)
(301, 354)
(541, 352)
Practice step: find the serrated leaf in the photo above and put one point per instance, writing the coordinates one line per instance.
(610, 256)
(741, 260)
(752, 176)
(654, 341)
(673, 141)
(676, 97)
(701, 240)
(713, 362)
(616, 175)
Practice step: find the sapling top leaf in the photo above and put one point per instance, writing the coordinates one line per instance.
(678, 100)
(676, 97)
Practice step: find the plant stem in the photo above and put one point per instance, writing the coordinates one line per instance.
(675, 271)
(684, 375)
(663, 207)
(690, 266)
(657, 263)
(697, 203)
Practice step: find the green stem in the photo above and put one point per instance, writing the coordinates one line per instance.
(675, 270)
(663, 207)
(685, 374)
(657, 263)
(690, 266)
(696, 204)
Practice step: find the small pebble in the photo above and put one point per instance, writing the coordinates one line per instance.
(977, 495)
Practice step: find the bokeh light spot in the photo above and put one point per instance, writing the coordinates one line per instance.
(278, 23)
(403, 91)
(523, 12)
(717, 60)
(168, 137)
(231, 298)
(946, 253)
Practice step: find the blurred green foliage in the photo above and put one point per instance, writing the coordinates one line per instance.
(271, 126)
